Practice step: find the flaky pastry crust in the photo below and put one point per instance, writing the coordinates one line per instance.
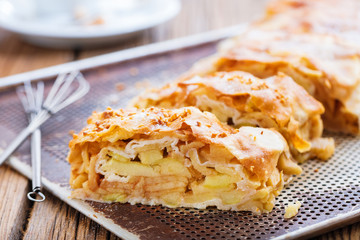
(240, 99)
(329, 70)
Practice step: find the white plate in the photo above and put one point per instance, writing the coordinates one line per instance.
(61, 31)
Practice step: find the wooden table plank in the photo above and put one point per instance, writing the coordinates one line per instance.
(351, 232)
(17, 56)
(54, 219)
(51, 219)
(14, 205)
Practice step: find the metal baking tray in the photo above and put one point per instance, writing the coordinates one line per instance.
(329, 191)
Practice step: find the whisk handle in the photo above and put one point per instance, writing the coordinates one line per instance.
(36, 159)
(36, 195)
(35, 123)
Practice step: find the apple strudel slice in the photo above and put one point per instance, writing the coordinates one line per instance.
(176, 158)
(238, 99)
(328, 69)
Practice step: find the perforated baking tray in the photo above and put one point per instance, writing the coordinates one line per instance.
(329, 191)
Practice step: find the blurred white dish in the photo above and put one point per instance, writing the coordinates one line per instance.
(61, 30)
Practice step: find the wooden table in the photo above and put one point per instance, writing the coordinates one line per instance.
(53, 219)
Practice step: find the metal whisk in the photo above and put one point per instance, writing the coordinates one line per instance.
(67, 89)
(32, 99)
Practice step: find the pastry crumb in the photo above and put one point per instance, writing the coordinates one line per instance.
(71, 132)
(120, 86)
(292, 209)
(316, 170)
(134, 71)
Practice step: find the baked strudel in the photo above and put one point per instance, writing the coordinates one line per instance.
(240, 99)
(178, 158)
(327, 69)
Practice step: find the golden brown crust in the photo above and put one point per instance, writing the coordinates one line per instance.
(132, 123)
(240, 97)
(326, 68)
(184, 123)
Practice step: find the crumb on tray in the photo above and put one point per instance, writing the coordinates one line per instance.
(316, 170)
(120, 86)
(292, 209)
(134, 71)
(71, 132)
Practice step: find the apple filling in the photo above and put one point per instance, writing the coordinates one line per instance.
(174, 173)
